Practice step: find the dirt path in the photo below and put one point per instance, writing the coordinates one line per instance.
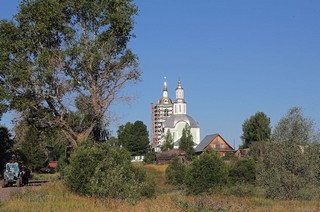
(5, 193)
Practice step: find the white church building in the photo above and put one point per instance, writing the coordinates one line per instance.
(167, 116)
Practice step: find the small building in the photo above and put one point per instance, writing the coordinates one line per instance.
(167, 156)
(216, 142)
(138, 158)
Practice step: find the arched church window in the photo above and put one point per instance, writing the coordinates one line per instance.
(166, 112)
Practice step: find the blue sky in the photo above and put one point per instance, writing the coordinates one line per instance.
(234, 58)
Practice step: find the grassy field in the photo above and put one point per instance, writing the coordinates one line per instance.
(50, 177)
(55, 197)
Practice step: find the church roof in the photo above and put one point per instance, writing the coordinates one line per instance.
(174, 119)
(165, 101)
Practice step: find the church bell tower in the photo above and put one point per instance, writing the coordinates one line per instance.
(179, 106)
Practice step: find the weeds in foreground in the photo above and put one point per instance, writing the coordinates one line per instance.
(54, 196)
(49, 177)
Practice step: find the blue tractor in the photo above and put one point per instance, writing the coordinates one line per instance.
(12, 175)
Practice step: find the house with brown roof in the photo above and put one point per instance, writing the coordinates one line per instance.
(167, 156)
(216, 142)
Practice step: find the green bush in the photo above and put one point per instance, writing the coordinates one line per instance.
(206, 172)
(175, 172)
(105, 172)
(62, 163)
(83, 162)
(243, 171)
(116, 177)
(149, 158)
(289, 171)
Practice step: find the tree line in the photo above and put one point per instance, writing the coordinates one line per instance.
(64, 63)
(285, 162)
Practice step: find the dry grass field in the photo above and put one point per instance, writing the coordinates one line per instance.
(55, 197)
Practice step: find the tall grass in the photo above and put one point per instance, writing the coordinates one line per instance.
(38, 176)
(54, 196)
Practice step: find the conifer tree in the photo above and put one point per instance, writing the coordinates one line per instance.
(186, 141)
(134, 137)
(168, 142)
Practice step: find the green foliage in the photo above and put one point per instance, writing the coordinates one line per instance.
(82, 118)
(175, 172)
(229, 156)
(83, 162)
(288, 169)
(168, 142)
(6, 144)
(186, 142)
(53, 50)
(33, 149)
(114, 142)
(105, 172)
(243, 171)
(116, 177)
(134, 137)
(36, 142)
(63, 162)
(3, 97)
(289, 166)
(205, 173)
(258, 150)
(294, 127)
(257, 128)
(149, 158)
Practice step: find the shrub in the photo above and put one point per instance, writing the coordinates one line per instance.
(105, 172)
(149, 158)
(83, 162)
(175, 172)
(116, 177)
(243, 171)
(289, 170)
(206, 172)
(62, 164)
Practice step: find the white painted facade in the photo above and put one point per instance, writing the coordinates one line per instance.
(178, 120)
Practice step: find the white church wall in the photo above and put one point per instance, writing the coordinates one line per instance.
(195, 132)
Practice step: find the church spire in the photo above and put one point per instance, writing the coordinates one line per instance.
(165, 88)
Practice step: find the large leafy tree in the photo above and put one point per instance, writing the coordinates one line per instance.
(289, 168)
(186, 141)
(168, 142)
(57, 50)
(295, 127)
(134, 137)
(256, 128)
